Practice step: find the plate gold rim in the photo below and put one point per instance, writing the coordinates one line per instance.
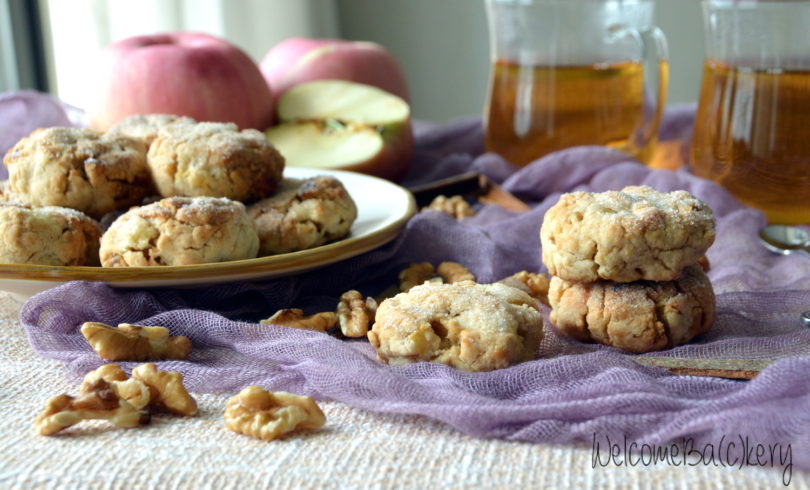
(333, 252)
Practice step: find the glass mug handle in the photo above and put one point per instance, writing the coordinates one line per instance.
(654, 53)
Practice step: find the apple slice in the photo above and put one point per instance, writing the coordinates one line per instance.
(335, 124)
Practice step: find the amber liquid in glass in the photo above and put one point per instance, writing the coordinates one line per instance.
(752, 136)
(535, 110)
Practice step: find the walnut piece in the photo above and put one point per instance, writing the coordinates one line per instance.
(259, 413)
(704, 263)
(99, 402)
(293, 317)
(455, 206)
(536, 285)
(416, 274)
(355, 314)
(166, 389)
(453, 272)
(134, 342)
(134, 391)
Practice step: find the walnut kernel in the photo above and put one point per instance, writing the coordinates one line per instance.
(134, 342)
(101, 403)
(293, 317)
(452, 272)
(355, 314)
(258, 413)
(455, 206)
(135, 392)
(535, 285)
(166, 389)
(415, 275)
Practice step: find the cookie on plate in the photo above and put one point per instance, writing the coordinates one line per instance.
(180, 231)
(78, 168)
(146, 126)
(303, 213)
(474, 327)
(48, 235)
(630, 235)
(214, 159)
(637, 317)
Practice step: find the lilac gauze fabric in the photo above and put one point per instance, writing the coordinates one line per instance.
(569, 393)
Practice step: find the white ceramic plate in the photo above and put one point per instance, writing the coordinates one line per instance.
(383, 208)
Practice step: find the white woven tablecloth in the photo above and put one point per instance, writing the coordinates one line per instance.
(356, 448)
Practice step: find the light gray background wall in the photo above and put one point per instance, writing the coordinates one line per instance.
(443, 47)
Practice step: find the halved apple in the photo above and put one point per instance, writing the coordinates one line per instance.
(334, 124)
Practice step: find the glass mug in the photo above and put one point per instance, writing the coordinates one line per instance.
(573, 72)
(751, 133)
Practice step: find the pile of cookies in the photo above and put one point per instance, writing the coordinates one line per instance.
(202, 192)
(626, 267)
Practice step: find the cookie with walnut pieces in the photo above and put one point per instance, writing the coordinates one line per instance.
(180, 231)
(634, 234)
(473, 327)
(303, 213)
(214, 159)
(78, 168)
(48, 235)
(638, 316)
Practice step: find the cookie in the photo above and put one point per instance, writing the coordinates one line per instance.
(180, 231)
(637, 317)
(78, 168)
(48, 235)
(630, 235)
(146, 126)
(474, 327)
(303, 214)
(214, 159)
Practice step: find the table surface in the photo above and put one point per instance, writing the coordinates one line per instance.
(356, 448)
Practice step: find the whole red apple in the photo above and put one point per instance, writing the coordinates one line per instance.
(297, 60)
(188, 74)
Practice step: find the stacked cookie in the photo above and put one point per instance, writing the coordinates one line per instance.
(625, 267)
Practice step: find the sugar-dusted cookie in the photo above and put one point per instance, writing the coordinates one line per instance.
(180, 231)
(474, 327)
(48, 235)
(303, 214)
(634, 234)
(639, 316)
(146, 126)
(78, 168)
(214, 159)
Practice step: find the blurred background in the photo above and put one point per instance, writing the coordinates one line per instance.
(442, 45)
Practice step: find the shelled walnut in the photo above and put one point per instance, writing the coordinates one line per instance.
(134, 342)
(418, 273)
(255, 412)
(294, 318)
(455, 206)
(536, 285)
(355, 314)
(453, 272)
(134, 391)
(166, 389)
(100, 402)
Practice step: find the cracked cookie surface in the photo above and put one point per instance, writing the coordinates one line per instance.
(48, 235)
(214, 159)
(304, 213)
(630, 235)
(180, 231)
(78, 168)
(474, 327)
(146, 126)
(637, 317)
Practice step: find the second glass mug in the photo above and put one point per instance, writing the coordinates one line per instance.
(573, 72)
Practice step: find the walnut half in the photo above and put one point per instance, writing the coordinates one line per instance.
(259, 413)
(455, 206)
(99, 402)
(132, 390)
(293, 317)
(134, 342)
(355, 314)
(166, 389)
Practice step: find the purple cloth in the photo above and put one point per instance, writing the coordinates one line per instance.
(571, 392)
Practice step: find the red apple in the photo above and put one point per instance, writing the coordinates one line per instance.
(187, 74)
(298, 60)
(335, 124)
